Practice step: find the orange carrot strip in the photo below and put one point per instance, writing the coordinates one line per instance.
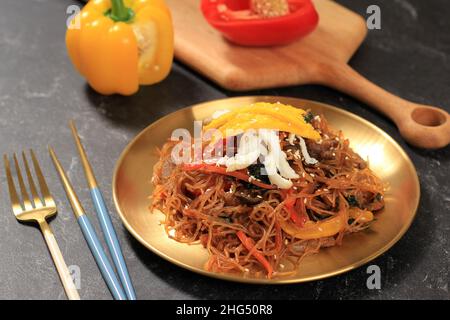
(249, 245)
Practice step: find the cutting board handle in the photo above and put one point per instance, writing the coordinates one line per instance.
(421, 125)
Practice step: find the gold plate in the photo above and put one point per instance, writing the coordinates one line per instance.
(132, 188)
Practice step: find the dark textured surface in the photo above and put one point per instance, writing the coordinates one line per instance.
(40, 92)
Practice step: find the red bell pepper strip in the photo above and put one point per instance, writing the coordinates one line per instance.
(221, 170)
(250, 245)
(292, 205)
(228, 16)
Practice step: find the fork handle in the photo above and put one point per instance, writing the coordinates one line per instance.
(58, 259)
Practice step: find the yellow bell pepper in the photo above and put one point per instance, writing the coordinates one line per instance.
(118, 45)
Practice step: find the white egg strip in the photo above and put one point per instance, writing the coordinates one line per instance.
(308, 158)
(247, 153)
(270, 137)
(291, 138)
(264, 143)
(241, 161)
(284, 167)
(274, 177)
(275, 161)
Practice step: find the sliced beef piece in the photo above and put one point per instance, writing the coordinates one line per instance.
(369, 201)
(322, 151)
(249, 196)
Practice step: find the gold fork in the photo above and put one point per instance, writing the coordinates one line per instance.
(38, 210)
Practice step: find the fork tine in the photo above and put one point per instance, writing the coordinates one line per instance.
(26, 199)
(15, 201)
(37, 201)
(42, 184)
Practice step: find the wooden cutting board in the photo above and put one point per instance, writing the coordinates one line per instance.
(339, 34)
(319, 58)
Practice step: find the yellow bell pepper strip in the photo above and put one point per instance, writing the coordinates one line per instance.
(360, 215)
(325, 228)
(122, 44)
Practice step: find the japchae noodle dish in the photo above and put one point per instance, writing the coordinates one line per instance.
(266, 185)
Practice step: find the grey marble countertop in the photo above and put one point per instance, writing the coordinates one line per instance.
(40, 92)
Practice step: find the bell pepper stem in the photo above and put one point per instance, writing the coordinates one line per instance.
(119, 12)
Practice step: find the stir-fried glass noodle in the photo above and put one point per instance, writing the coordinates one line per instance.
(261, 218)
